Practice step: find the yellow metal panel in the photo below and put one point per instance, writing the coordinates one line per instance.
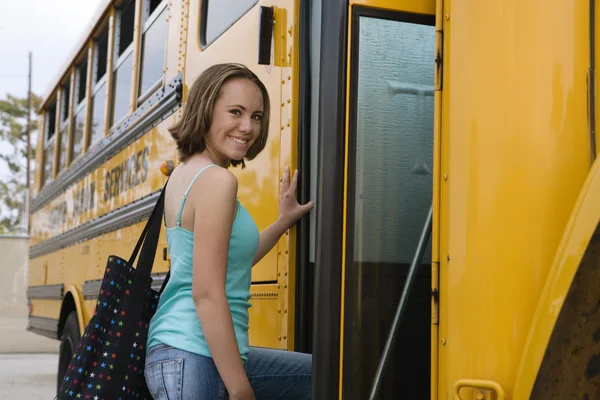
(280, 48)
(45, 308)
(265, 321)
(515, 153)
(411, 6)
(73, 264)
(579, 230)
(177, 35)
(90, 307)
(37, 272)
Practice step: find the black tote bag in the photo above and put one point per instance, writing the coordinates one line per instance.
(108, 363)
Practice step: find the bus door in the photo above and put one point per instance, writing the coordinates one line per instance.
(386, 203)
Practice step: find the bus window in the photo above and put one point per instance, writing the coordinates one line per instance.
(220, 15)
(154, 38)
(49, 144)
(64, 125)
(80, 103)
(99, 86)
(124, 62)
(389, 199)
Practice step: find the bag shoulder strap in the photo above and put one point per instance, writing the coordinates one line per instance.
(148, 240)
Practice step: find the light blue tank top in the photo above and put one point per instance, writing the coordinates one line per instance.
(175, 322)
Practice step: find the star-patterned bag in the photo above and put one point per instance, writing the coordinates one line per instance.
(108, 363)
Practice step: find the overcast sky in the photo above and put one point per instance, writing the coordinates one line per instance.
(50, 29)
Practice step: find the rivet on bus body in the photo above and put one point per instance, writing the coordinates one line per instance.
(282, 104)
(443, 342)
(479, 396)
(282, 127)
(289, 101)
(278, 337)
(285, 273)
(447, 16)
(285, 251)
(279, 252)
(445, 177)
(283, 82)
(284, 337)
(278, 286)
(285, 287)
(290, 31)
(289, 78)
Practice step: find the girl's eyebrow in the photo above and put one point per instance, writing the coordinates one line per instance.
(243, 108)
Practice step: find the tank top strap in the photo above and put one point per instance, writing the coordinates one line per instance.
(188, 191)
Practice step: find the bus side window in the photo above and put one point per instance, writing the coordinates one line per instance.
(80, 98)
(123, 64)
(98, 99)
(49, 144)
(154, 39)
(64, 125)
(219, 15)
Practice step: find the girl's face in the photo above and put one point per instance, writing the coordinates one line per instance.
(236, 120)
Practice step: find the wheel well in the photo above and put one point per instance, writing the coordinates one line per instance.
(68, 305)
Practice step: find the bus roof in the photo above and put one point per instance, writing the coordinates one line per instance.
(92, 25)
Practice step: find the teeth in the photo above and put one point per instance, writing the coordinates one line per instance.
(240, 141)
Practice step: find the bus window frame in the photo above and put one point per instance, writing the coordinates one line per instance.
(97, 84)
(147, 21)
(83, 60)
(64, 125)
(119, 60)
(350, 273)
(49, 142)
(204, 23)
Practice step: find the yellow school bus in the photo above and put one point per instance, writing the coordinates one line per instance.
(450, 145)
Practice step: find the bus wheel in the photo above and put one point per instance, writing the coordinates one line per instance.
(69, 340)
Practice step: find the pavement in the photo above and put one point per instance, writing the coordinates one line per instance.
(28, 362)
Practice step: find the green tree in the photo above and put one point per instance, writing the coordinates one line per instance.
(13, 156)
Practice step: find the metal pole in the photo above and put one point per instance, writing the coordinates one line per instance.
(414, 266)
(28, 131)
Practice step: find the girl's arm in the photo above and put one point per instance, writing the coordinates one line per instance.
(214, 209)
(290, 211)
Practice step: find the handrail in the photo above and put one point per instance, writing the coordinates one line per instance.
(412, 273)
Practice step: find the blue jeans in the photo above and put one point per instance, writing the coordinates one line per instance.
(174, 374)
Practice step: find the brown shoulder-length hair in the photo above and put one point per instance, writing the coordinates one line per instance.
(190, 130)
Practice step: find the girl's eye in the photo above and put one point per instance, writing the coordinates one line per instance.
(236, 112)
(257, 117)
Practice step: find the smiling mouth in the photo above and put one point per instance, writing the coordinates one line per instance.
(238, 141)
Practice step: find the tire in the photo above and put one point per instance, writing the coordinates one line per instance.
(70, 339)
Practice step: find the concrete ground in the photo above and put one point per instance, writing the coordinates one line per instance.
(28, 376)
(28, 362)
